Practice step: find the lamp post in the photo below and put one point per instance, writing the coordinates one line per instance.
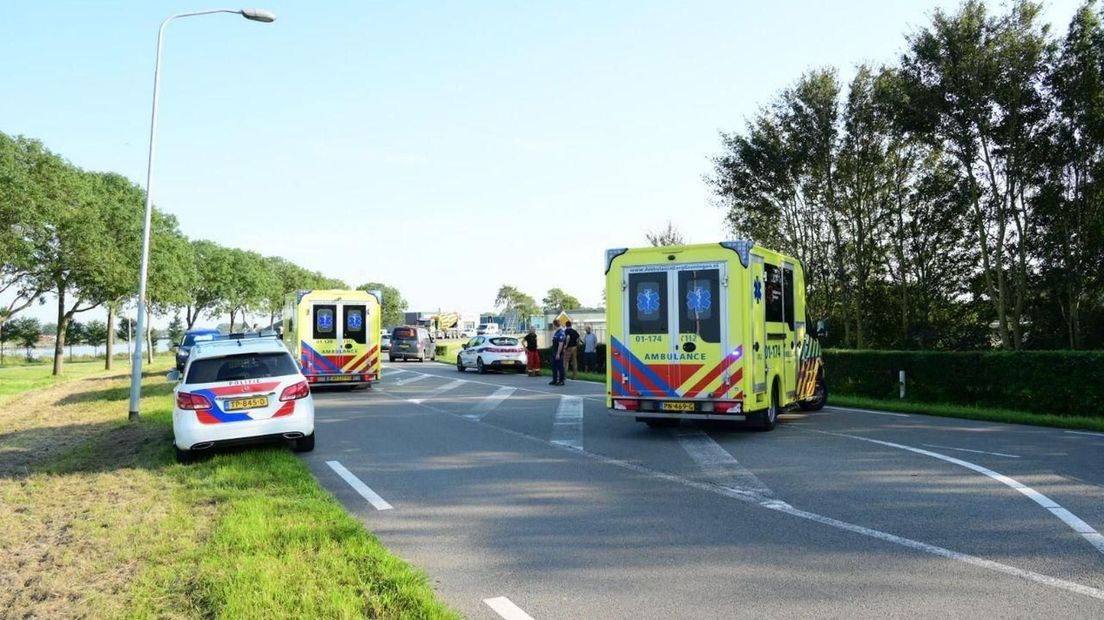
(257, 15)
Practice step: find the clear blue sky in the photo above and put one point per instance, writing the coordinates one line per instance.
(442, 147)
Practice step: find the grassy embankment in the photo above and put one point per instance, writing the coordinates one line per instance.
(96, 519)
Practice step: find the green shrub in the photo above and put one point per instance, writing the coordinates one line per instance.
(1058, 382)
(546, 357)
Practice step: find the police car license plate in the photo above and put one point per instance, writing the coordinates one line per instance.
(678, 406)
(246, 403)
(509, 361)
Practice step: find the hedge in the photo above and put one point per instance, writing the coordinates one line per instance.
(1058, 382)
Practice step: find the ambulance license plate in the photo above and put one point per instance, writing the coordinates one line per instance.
(678, 406)
(246, 403)
(340, 378)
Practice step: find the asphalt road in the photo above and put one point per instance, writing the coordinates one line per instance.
(503, 486)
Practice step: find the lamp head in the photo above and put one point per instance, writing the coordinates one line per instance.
(259, 15)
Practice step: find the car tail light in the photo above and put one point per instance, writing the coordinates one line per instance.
(626, 405)
(295, 392)
(187, 400)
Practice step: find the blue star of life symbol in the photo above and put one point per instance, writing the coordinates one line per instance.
(758, 290)
(699, 300)
(647, 301)
(354, 320)
(325, 320)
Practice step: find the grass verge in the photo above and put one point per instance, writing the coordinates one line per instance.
(96, 520)
(17, 378)
(969, 413)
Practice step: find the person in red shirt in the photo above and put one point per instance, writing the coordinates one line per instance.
(532, 356)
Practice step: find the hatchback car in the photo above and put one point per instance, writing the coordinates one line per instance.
(492, 353)
(411, 343)
(191, 337)
(240, 391)
(385, 340)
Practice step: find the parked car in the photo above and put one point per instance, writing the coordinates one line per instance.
(240, 391)
(191, 337)
(487, 329)
(492, 353)
(410, 342)
(385, 340)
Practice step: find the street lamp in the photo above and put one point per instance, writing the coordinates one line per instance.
(257, 15)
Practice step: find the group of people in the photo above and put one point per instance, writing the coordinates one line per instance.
(564, 351)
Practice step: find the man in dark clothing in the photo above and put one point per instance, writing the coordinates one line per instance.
(532, 356)
(571, 348)
(558, 340)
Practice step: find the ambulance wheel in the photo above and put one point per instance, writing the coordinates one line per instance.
(479, 365)
(769, 417)
(819, 398)
(459, 364)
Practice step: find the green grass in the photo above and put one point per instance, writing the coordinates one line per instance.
(595, 377)
(108, 525)
(969, 413)
(19, 377)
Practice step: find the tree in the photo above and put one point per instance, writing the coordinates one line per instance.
(511, 299)
(393, 305)
(176, 329)
(95, 334)
(557, 300)
(76, 335)
(124, 330)
(669, 235)
(22, 222)
(214, 273)
(251, 279)
(25, 332)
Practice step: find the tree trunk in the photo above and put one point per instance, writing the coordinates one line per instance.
(110, 336)
(62, 325)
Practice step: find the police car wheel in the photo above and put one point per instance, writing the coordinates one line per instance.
(459, 364)
(304, 444)
(480, 366)
(184, 456)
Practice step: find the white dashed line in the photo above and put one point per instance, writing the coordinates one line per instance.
(1011, 456)
(718, 465)
(1097, 435)
(506, 608)
(416, 377)
(1094, 538)
(437, 391)
(358, 486)
(489, 404)
(896, 415)
(567, 430)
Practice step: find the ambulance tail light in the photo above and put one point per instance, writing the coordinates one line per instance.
(625, 404)
(729, 406)
(192, 402)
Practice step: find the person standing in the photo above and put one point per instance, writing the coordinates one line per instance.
(532, 356)
(590, 351)
(558, 339)
(571, 351)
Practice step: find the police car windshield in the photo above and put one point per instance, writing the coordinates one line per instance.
(241, 367)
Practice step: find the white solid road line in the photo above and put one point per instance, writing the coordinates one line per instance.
(1011, 456)
(358, 486)
(437, 391)
(718, 465)
(783, 507)
(506, 608)
(489, 404)
(1090, 434)
(889, 413)
(416, 377)
(1094, 538)
(567, 430)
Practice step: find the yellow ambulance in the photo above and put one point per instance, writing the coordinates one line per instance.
(334, 334)
(708, 332)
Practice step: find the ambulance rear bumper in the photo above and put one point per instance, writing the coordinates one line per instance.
(656, 415)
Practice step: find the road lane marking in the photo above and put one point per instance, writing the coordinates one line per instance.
(889, 413)
(437, 391)
(1097, 435)
(780, 506)
(358, 486)
(1094, 538)
(1011, 456)
(506, 608)
(718, 464)
(489, 404)
(416, 377)
(567, 429)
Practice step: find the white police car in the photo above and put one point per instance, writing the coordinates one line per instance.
(239, 391)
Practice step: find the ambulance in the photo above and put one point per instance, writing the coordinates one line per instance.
(334, 335)
(708, 332)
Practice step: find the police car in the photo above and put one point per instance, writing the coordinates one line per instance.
(238, 391)
(491, 353)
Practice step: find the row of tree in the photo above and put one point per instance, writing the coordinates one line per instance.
(511, 300)
(76, 235)
(952, 200)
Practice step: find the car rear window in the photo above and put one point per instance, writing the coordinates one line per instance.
(504, 342)
(240, 367)
(404, 332)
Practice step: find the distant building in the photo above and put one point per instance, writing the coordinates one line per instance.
(579, 317)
